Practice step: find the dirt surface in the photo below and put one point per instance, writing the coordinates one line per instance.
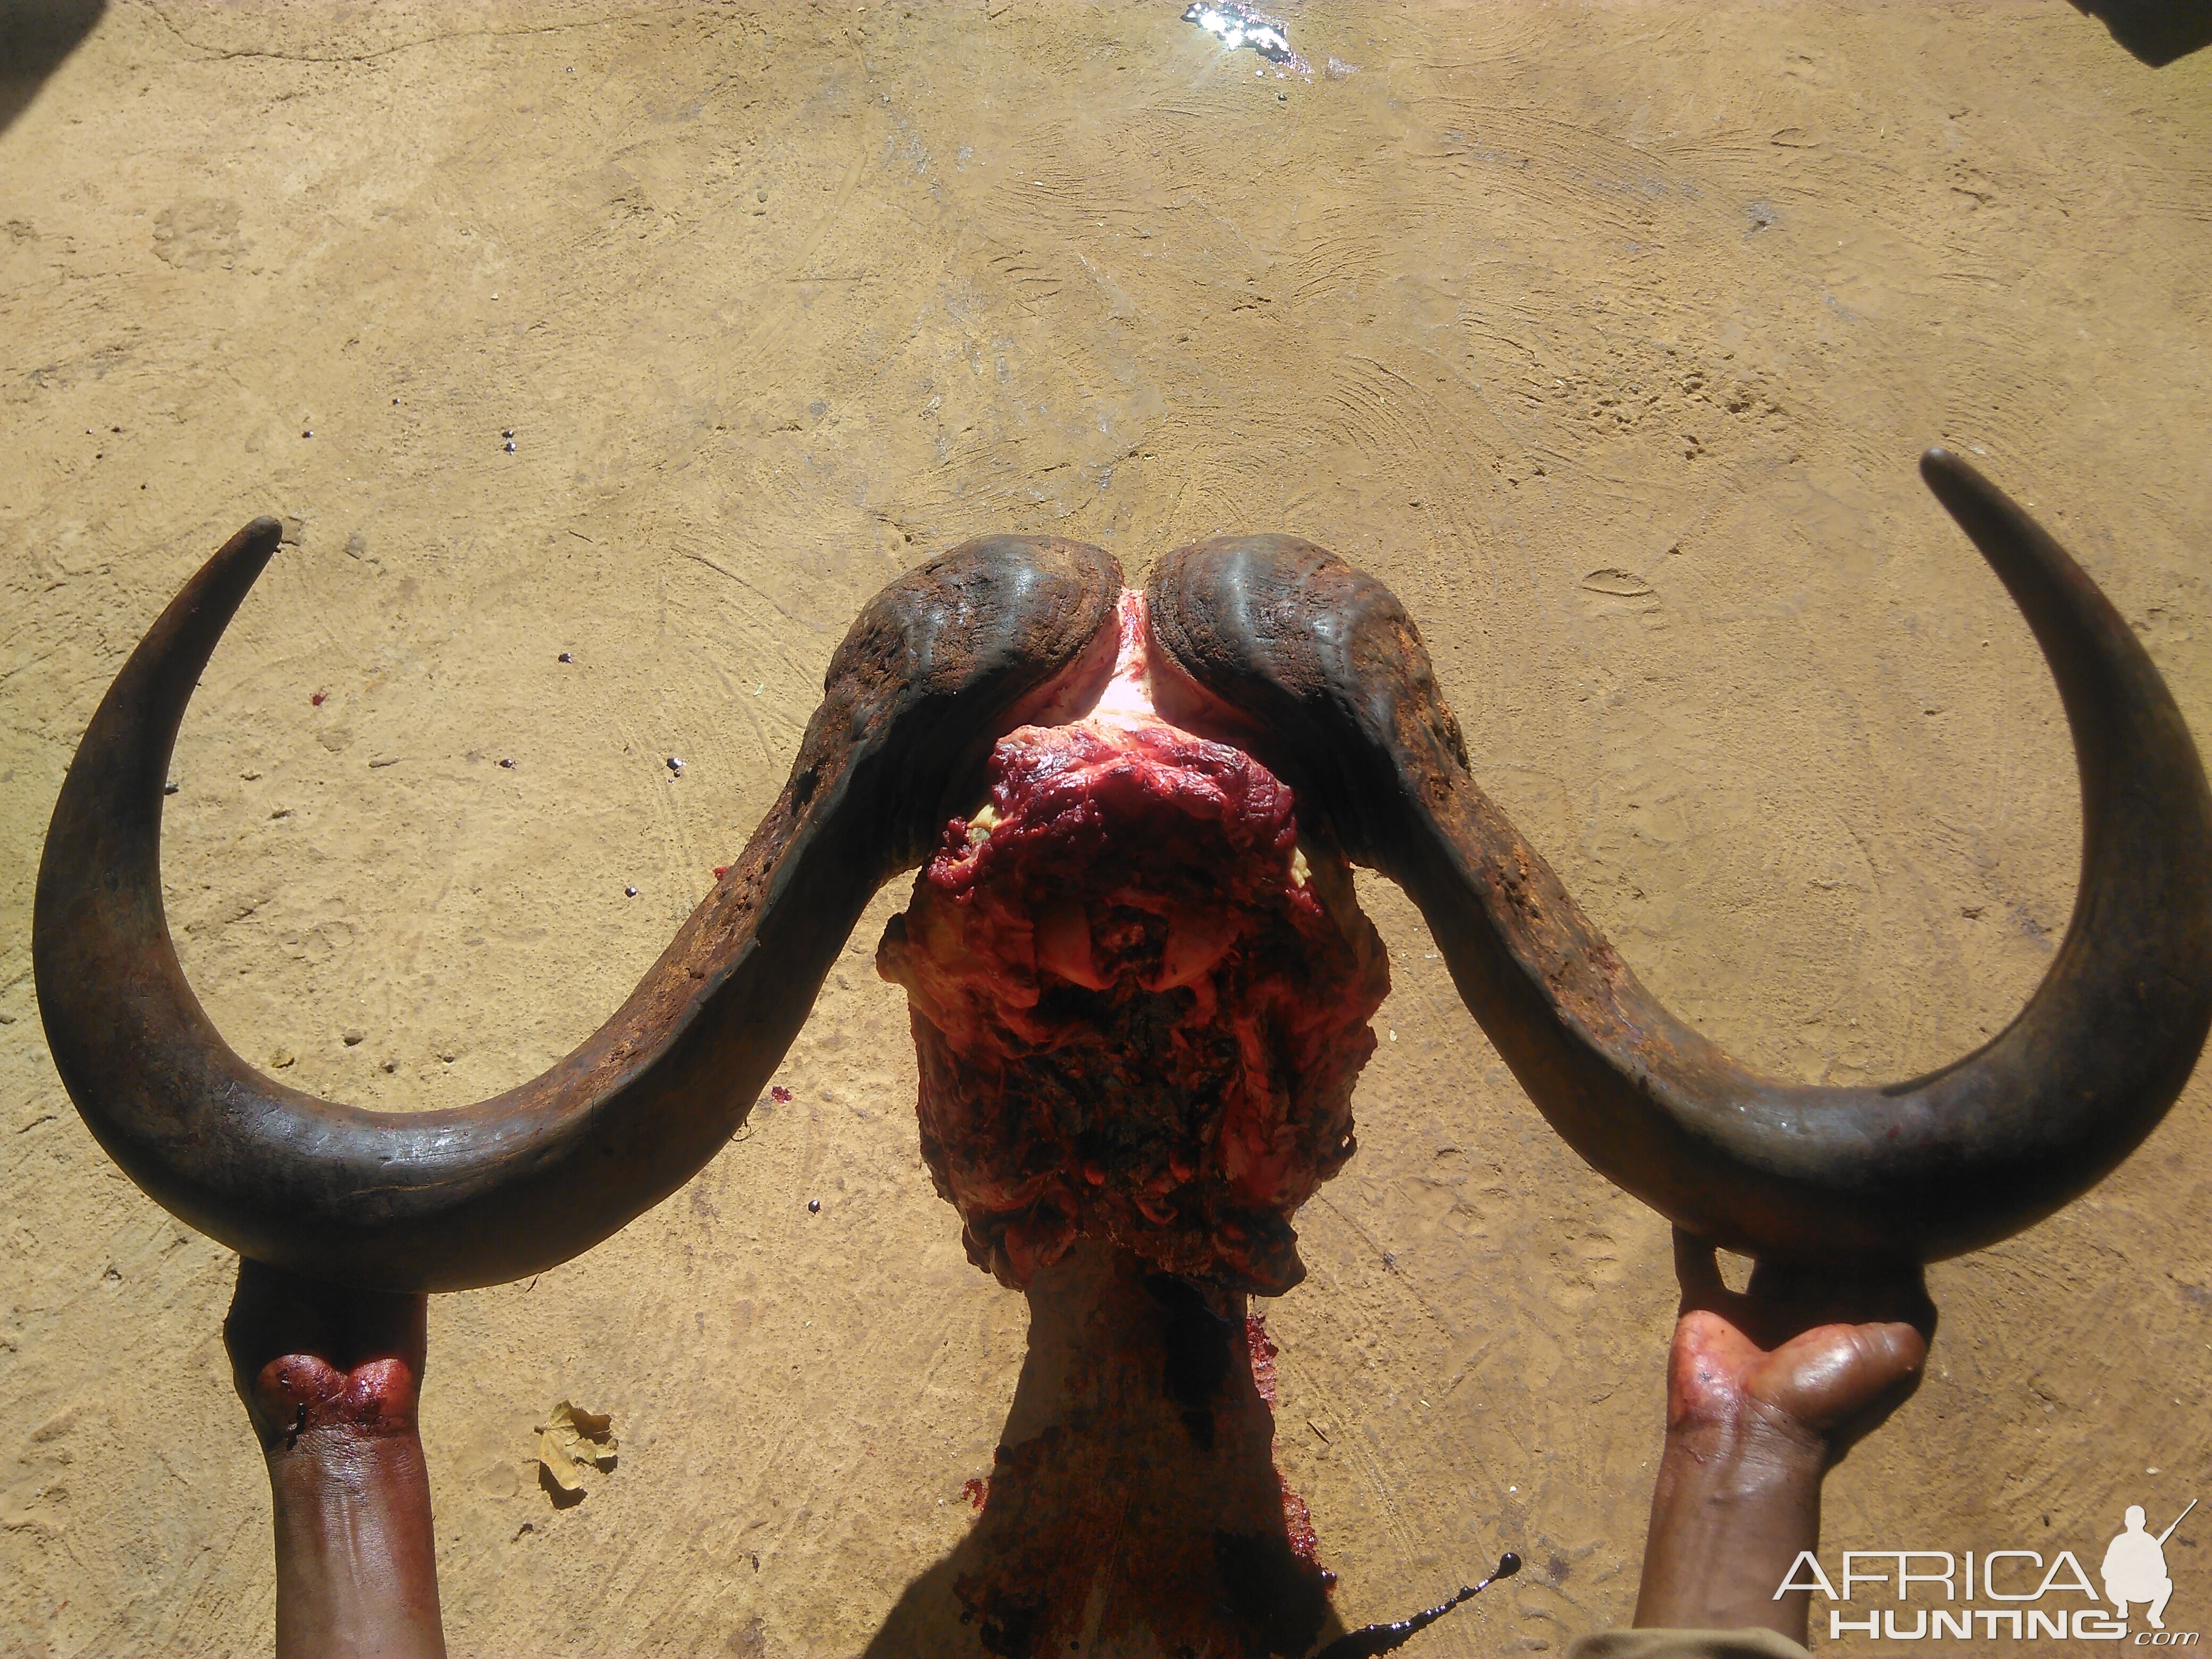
(1606, 334)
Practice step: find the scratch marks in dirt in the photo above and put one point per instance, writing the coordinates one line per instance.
(370, 54)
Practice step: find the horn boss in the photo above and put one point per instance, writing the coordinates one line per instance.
(1138, 1003)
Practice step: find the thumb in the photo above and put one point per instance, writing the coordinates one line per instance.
(1836, 1373)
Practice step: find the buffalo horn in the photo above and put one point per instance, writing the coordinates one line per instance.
(994, 633)
(1318, 669)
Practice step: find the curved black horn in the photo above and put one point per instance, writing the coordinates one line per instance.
(938, 664)
(1320, 672)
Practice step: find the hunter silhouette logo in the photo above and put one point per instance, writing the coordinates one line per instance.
(2000, 1595)
(2135, 1567)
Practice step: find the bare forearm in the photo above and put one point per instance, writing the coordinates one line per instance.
(356, 1561)
(1734, 1504)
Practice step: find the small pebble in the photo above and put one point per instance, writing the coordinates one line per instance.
(674, 764)
(721, 870)
(779, 1095)
(316, 697)
(510, 446)
(171, 786)
(629, 892)
(309, 433)
(505, 432)
(814, 1206)
(568, 656)
(508, 764)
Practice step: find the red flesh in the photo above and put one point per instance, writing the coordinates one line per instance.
(1139, 1014)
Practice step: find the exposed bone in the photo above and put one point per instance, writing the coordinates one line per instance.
(1139, 1011)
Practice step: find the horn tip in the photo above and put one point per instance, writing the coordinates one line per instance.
(247, 554)
(1955, 481)
(1937, 462)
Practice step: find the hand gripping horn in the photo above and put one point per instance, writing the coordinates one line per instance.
(1320, 671)
(998, 632)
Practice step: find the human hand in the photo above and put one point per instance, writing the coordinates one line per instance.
(310, 1358)
(1823, 1359)
(332, 1379)
(1766, 1389)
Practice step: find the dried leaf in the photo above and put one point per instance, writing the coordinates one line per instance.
(573, 1444)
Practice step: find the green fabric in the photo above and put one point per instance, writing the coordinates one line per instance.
(1685, 1645)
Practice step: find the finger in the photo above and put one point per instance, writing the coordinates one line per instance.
(364, 1325)
(268, 1310)
(1788, 1298)
(1697, 1270)
(1894, 1349)
(1881, 1296)
(1707, 1360)
(1909, 1356)
(1843, 1373)
(275, 1312)
(1914, 1306)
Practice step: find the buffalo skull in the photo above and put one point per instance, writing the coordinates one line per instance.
(1317, 671)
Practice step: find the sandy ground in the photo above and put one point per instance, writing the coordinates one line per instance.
(1607, 334)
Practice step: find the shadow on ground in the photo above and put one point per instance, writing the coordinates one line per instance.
(35, 37)
(2155, 31)
(1134, 1505)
